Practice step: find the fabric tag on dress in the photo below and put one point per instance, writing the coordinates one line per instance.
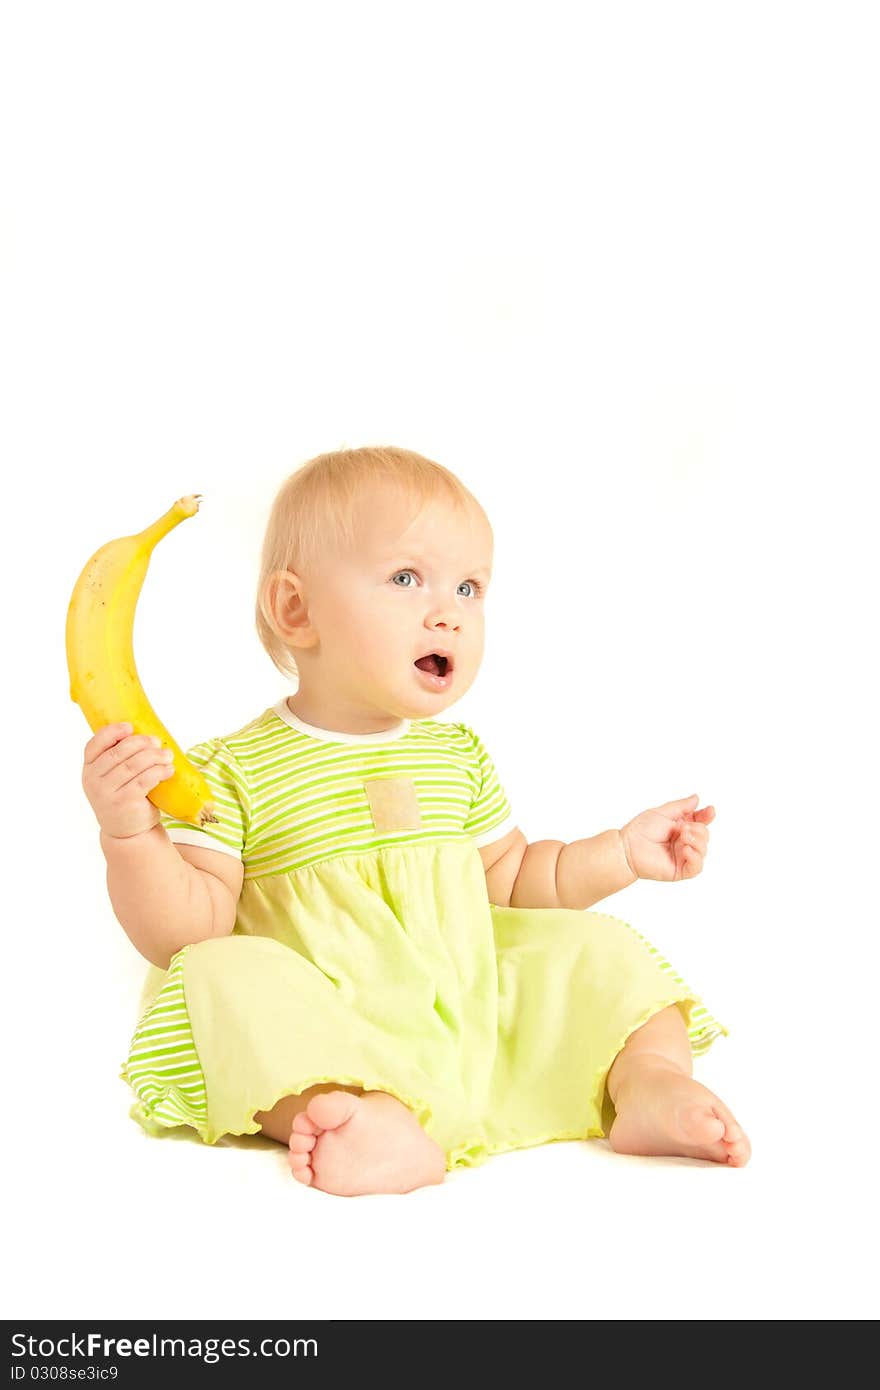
(393, 803)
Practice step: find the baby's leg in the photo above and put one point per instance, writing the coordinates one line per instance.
(350, 1142)
(660, 1108)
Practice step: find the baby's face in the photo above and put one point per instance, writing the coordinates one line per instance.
(405, 589)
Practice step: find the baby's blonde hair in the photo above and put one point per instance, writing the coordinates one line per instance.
(315, 509)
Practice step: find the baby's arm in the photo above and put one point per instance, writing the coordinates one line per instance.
(550, 873)
(164, 897)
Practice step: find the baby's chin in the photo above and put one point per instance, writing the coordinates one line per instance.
(428, 703)
(419, 697)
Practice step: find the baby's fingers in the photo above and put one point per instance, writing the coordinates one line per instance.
(150, 778)
(144, 767)
(691, 864)
(688, 858)
(695, 837)
(103, 739)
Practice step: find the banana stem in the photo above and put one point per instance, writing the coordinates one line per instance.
(183, 508)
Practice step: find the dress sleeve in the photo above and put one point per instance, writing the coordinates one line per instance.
(230, 799)
(489, 817)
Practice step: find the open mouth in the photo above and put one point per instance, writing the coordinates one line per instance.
(434, 664)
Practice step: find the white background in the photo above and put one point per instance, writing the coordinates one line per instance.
(616, 266)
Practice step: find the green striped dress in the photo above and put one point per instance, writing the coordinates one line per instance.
(366, 952)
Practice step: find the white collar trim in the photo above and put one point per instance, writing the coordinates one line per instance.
(286, 714)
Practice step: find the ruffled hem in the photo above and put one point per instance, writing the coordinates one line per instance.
(471, 1153)
(478, 1151)
(148, 1117)
(468, 1154)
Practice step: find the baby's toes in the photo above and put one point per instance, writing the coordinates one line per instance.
(303, 1125)
(301, 1143)
(737, 1146)
(301, 1167)
(332, 1109)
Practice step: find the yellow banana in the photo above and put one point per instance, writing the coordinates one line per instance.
(103, 678)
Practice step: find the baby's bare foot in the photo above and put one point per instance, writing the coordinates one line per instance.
(663, 1111)
(351, 1145)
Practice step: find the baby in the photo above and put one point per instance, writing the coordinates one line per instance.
(365, 959)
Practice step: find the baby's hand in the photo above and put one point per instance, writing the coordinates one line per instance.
(670, 842)
(119, 768)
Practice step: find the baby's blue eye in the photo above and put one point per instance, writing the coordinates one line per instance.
(477, 588)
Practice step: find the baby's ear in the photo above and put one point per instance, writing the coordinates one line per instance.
(284, 607)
